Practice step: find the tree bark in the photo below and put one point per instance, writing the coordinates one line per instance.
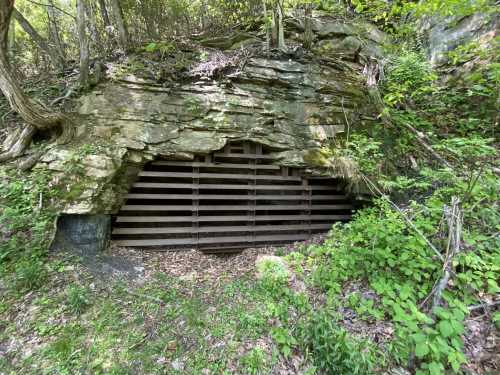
(54, 29)
(281, 30)
(266, 25)
(57, 61)
(83, 43)
(23, 137)
(104, 13)
(12, 37)
(308, 33)
(91, 16)
(274, 26)
(123, 37)
(35, 117)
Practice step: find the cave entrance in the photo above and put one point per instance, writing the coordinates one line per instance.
(226, 201)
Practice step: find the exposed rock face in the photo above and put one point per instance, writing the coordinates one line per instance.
(85, 234)
(292, 103)
(446, 34)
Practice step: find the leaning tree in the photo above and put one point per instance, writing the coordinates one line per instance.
(35, 117)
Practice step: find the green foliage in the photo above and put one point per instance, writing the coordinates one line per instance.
(78, 298)
(334, 350)
(390, 14)
(29, 274)
(284, 339)
(410, 77)
(273, 271)
(163, 48)
(378, 248)
(26, 213)
(254, 361)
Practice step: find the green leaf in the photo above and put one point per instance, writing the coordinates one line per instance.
(151, 47)
(419, 338)
(458, 327)
(435, 368)
(421, 349)
(445, 328)
(286, 350)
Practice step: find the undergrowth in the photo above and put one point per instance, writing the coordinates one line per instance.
(395, 247)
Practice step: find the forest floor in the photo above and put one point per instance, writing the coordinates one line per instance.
(138, 312)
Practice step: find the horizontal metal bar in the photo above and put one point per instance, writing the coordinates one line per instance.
(235, 208)
(232, 218)
(211, 240)
(233, 197)
(223, 229)
(160, 185)
(218, 175)
(244, 156)
(215, 165)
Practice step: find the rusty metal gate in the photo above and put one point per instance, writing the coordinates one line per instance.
(232, 199)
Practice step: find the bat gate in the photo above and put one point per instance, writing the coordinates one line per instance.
(226, 201)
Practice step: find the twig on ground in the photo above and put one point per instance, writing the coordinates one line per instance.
(484, 306)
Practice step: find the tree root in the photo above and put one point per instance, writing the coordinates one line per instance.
(28, 163)
(18, 143)
(67, 132)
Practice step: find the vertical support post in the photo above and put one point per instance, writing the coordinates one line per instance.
(251, 192)
(307, 194)
(195, 206)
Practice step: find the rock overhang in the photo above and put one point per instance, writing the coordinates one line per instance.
(293, 104)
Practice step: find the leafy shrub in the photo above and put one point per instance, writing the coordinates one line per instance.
(334, 351)
(409, 78)
(378, 248)
(285, 340)
(273, 270)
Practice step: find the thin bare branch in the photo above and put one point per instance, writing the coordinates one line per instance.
(52, 6)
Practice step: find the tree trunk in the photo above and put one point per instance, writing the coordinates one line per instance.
(274, 26)
(120, 25)
(281, 30)
(308, 33)
(56, 60)
(91, 16)
(12, 37)
(35, 116)
(54, 30)
(104, 13)
(83, 43)
(266, 25)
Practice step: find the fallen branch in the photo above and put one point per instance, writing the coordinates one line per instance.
(453, 216)
(372, 185)
(484, 306)
(373, 72)
(421, 139)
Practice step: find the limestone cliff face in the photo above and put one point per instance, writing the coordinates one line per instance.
(445, 34)
(293, 103)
